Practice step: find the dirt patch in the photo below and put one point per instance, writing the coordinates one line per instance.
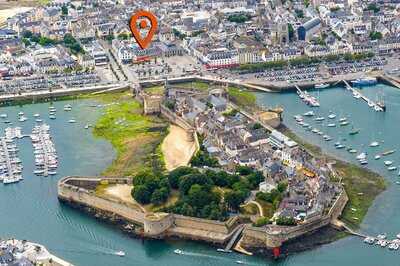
(177, 148)
(122, 193)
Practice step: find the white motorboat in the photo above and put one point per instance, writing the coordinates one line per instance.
(321, 86)
(392, 168)
(342, 119)
(178, 251)
(388, 163)
(374, 144)
(344, 123)
(22, 118)
(309, 113)
(383, 243)
(381, 236)
(369, 240)
(319, 119)
(20, 113)
(72, 121)
(332, 116)
(377, 157)
(3, 115)
(331, 125)
(361, 156)
(120, 253)
(67, 107)
(36, 115)
(393, 246)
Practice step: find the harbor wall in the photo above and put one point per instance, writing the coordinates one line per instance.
(81, 191)
(82, 196)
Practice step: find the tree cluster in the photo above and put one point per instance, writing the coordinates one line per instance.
(199, 196)
(149, 188)
(288, 221)
(239, 18)
(68, 41)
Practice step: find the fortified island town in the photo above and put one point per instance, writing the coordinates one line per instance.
(195, 153)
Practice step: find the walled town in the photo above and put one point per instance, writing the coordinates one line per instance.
(303, 192)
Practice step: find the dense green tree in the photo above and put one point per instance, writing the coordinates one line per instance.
(175, 175)
(159, 196)
(64, 10)
(282, 186)
(244, 170)
(187, 181)
(255, 179)
(141, 194)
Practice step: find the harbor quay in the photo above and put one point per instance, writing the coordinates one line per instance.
(79, 192)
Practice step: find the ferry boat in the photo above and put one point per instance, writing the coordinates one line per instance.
(321, 86)
(364, 81)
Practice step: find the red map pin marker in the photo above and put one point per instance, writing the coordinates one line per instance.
(142, 15)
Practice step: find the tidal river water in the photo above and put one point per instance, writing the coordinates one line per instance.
(30, 209)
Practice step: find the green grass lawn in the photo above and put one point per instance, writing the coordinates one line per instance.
(243, 98)
(156, 90)
(200, 85)
(135, 137)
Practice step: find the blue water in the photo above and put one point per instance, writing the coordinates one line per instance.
(30, 209)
